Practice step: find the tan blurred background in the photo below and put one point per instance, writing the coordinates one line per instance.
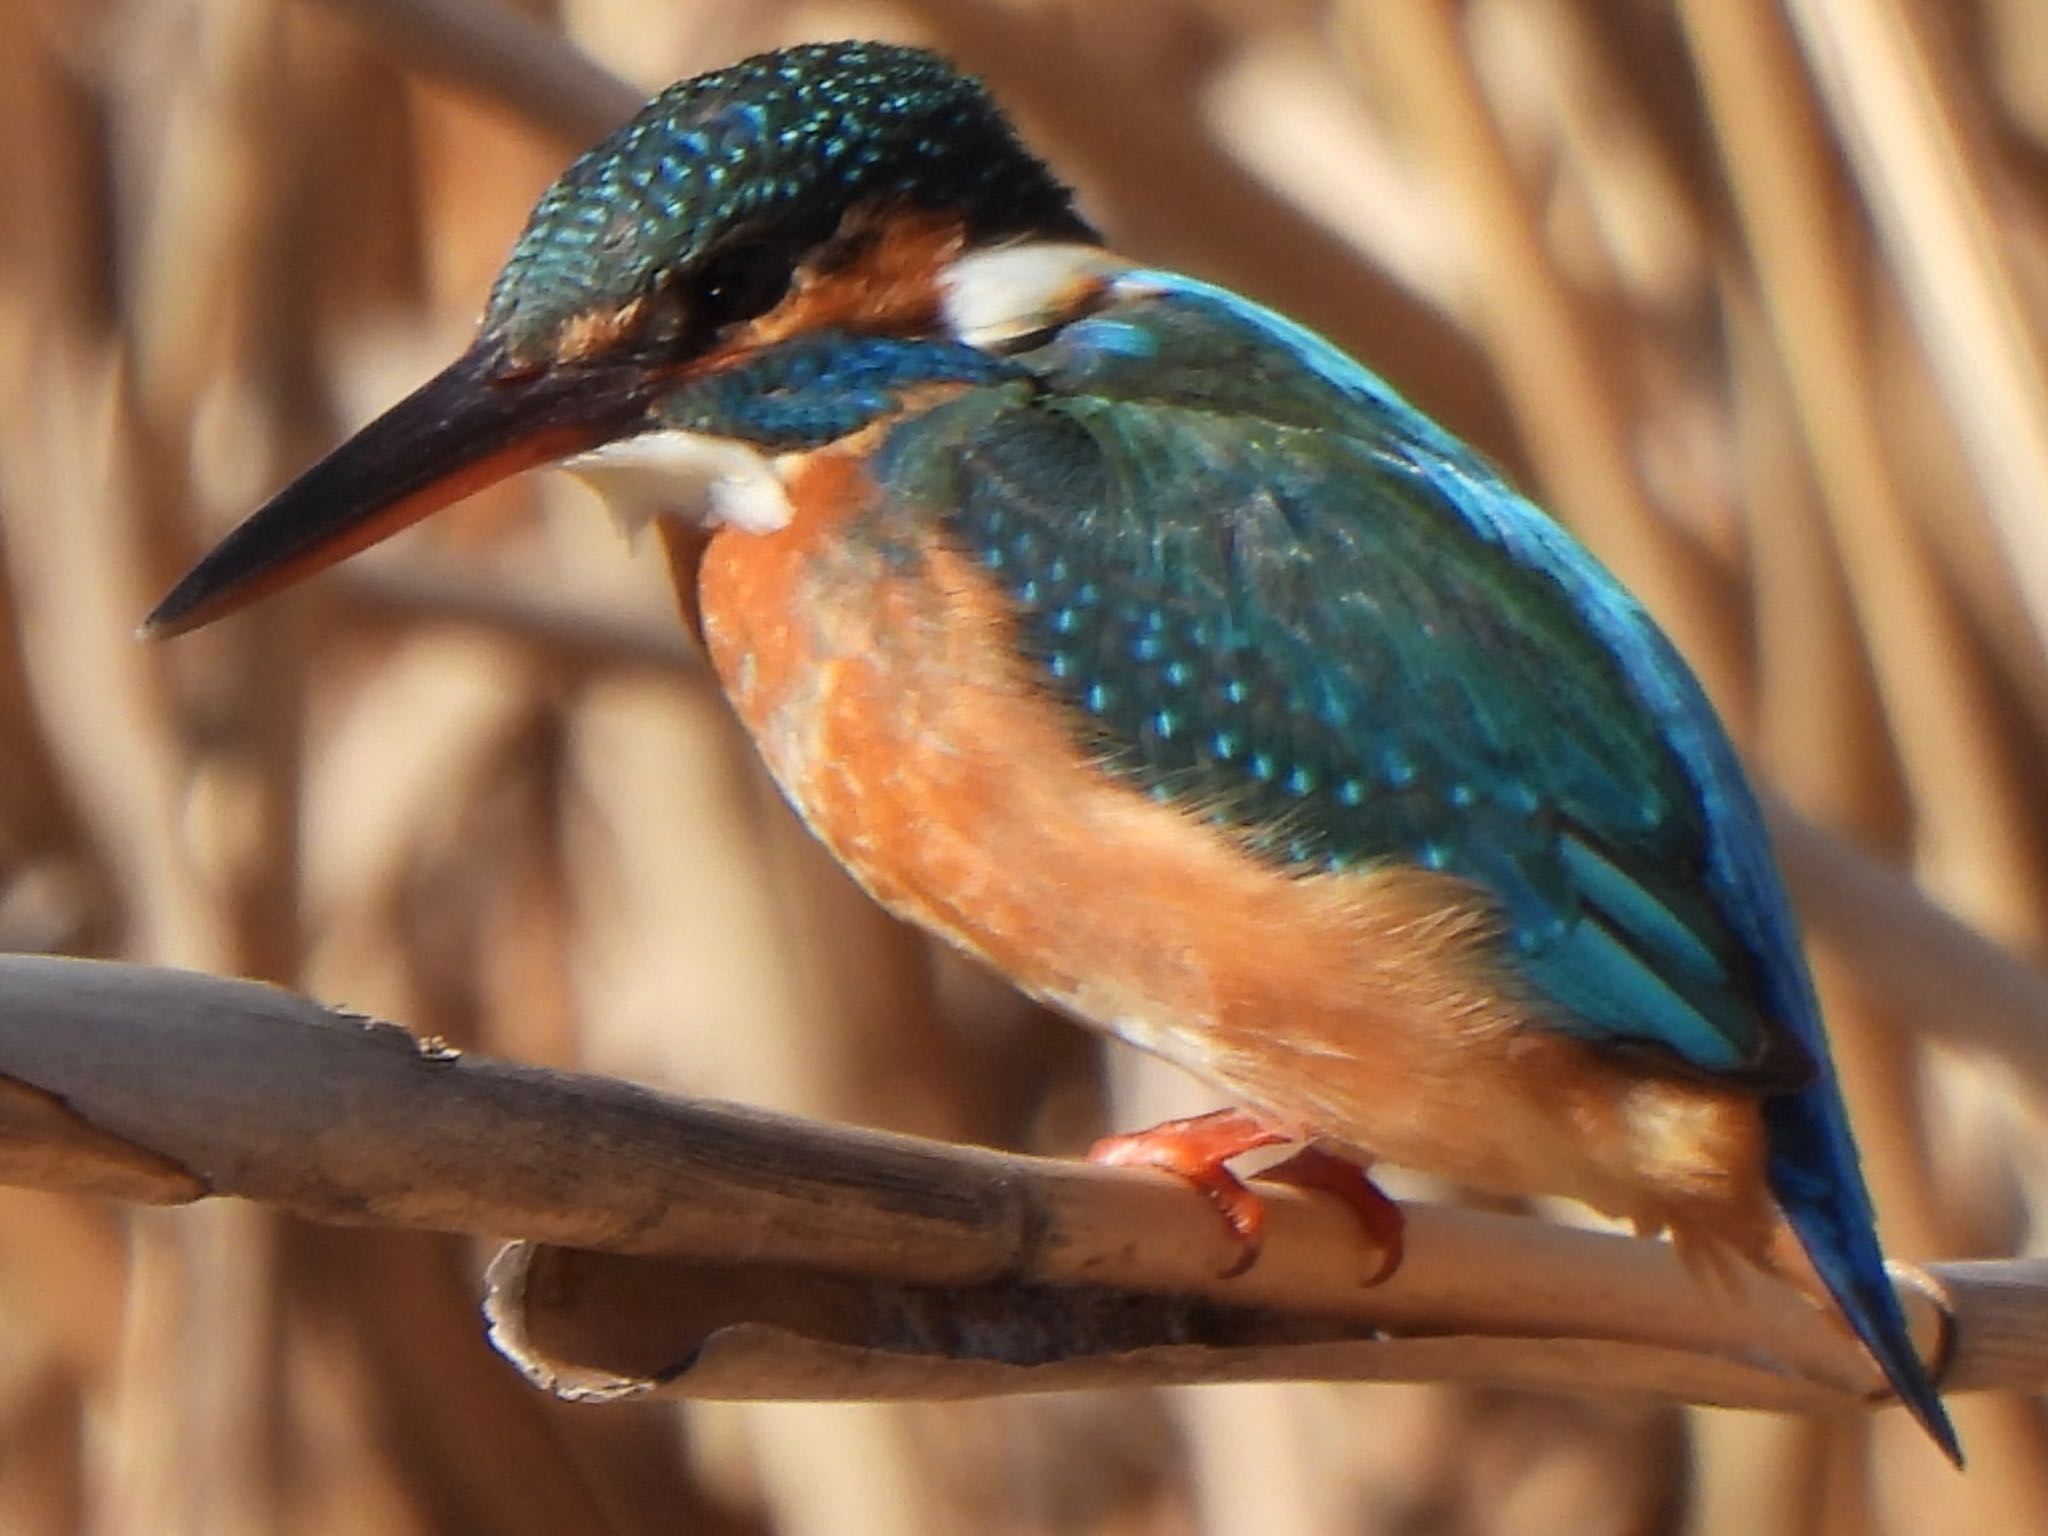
(1751, 293)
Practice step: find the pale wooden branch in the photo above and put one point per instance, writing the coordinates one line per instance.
(743, 1253)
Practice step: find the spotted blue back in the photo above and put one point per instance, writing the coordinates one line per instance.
(1269, 591)
(1258, 588)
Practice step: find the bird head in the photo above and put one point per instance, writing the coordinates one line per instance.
(832, 187)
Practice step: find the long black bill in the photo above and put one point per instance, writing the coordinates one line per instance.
(472, 424)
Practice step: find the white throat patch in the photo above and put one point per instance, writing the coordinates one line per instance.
(705, 480)
(993, 299)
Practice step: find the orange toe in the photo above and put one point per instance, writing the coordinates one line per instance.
(1385, 1227)
(1196, 1150)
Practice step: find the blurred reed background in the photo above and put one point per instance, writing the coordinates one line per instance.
(1750, 293)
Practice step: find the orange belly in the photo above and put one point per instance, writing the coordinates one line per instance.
(876, 670)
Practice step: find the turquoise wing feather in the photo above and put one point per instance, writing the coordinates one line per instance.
(1257, 589)
(1270, 590)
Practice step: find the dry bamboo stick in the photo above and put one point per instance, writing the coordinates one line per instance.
(550, 625)
(165, 1086)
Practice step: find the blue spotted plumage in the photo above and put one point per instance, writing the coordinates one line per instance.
(1263, 613)
(815, 389)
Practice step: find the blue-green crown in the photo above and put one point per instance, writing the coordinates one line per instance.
(772, 152)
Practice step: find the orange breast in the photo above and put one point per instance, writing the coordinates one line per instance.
(875, 667)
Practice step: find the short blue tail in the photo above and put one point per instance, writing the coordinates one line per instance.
(1814, 1173)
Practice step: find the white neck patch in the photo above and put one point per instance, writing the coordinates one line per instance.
(995, 298)
(705, 480)
(991, 299)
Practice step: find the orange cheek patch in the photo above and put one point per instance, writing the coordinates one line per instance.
(890, 287)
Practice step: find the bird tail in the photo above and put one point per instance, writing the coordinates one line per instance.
(1815, 1176)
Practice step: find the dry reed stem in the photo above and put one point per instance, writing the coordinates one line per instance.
(1778, 164)
(165, 1087)
(1929, 170)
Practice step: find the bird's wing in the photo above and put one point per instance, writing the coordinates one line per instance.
(1275, 594)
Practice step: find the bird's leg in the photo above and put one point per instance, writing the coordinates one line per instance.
(1196, 1149)
(1385, 1228)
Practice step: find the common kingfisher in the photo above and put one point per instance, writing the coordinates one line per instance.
(1134, 639)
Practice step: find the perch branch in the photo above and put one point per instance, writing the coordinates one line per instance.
(738, 1252)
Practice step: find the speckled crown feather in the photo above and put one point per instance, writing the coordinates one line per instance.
(777, 147)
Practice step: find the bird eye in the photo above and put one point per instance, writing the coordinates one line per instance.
(738, 284)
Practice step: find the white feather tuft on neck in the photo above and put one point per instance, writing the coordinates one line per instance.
(996, 298)
(705, 480)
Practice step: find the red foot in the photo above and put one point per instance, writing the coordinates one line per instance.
(1196, 1150)
(1385, 1227)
